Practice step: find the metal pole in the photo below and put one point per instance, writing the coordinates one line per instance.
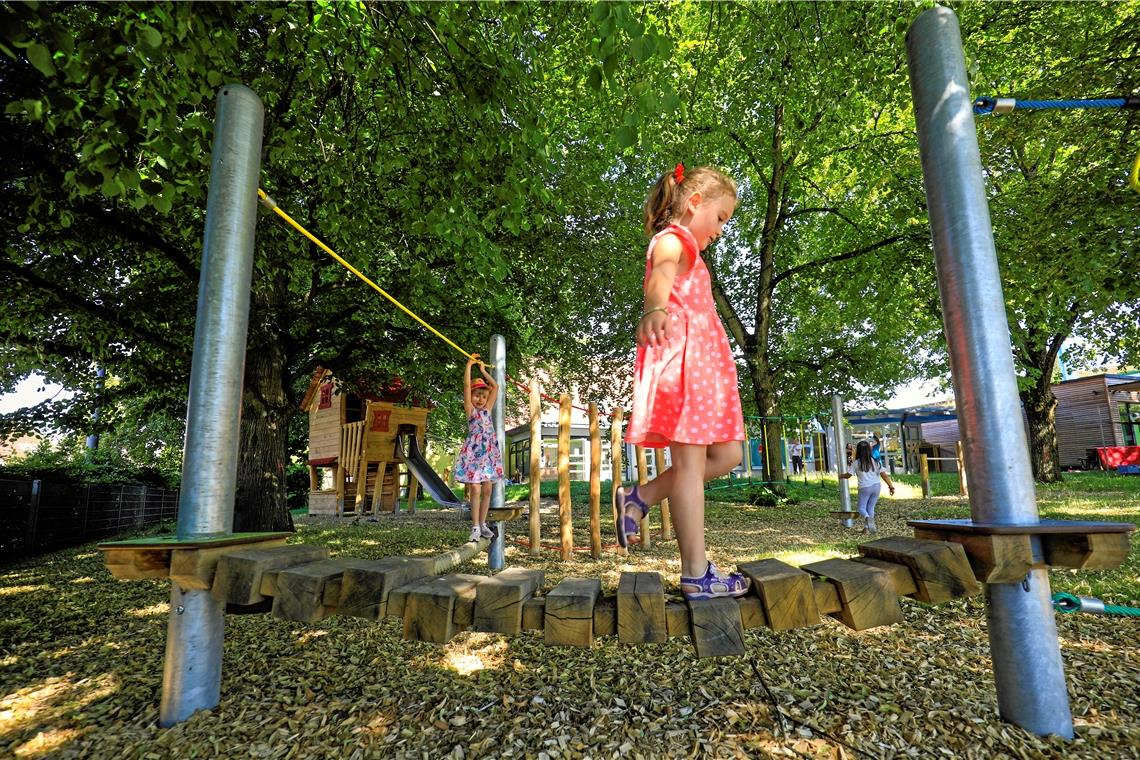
(841, 460)
(1026, 655)
(192, 674)
(495, 554)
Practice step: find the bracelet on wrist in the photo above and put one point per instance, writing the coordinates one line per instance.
(650, 311)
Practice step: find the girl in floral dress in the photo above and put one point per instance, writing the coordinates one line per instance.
(480, 463)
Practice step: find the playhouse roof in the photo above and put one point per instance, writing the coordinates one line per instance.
(394, 391)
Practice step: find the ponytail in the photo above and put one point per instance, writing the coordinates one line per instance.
(673, 188)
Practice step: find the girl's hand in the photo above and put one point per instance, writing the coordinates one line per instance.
(653, 330)
(473, 360)
(891, 488)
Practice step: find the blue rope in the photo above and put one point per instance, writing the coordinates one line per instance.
(985, 105)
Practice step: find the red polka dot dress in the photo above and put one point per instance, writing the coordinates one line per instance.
(686, 390)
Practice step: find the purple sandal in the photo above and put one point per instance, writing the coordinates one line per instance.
(713, 585)
(626, 525)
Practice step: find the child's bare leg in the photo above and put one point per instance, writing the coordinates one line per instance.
(720, 459)
(475, 492)
(485, 504)
(687, 505)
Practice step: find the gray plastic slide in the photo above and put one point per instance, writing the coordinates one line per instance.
(422, 471)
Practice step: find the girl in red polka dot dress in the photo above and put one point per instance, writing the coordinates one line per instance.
(685, 388)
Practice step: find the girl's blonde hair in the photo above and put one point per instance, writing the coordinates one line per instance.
(666, 200)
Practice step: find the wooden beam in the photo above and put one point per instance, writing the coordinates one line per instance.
(365, 587)
(429, 609)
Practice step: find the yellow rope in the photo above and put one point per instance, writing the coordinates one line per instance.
(270, 204)
(1134, 179)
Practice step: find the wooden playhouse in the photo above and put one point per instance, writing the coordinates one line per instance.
(354, 463)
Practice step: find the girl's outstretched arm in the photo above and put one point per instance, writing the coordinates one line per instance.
(468, 407)
(494, 387)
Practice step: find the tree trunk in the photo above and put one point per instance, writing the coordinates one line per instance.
(1040, 414)
(266, 411)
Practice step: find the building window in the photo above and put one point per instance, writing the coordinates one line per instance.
(1130, 423)
(326, 396)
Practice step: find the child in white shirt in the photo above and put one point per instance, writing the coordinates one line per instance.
(868, 471)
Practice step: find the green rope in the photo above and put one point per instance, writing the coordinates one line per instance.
(1063, 602)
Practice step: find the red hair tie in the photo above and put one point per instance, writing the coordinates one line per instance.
(679, 174)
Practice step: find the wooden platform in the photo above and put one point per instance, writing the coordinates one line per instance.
(1000, 553)
(306, 586)
(190, 561)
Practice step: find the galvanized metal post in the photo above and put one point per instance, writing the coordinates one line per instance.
(193, 672)
(1026, 656)
(841, 460)
(495, 555)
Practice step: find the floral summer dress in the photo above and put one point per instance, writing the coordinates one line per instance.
(480, 459)
(686, 391)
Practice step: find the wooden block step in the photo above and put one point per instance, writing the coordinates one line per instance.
(901, 578)
(641, 609)
(569, 612)
(364, 588)
(195, 568)
(866, 593)
(430, 606)
(499, 599)
(940, 569)
(237, 578)
(301, 590)
(785, 591)
(992, 558)
(717, 630)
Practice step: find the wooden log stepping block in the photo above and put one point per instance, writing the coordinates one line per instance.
(641, 609)
(238, 576)
(499, 599)
(569, 612)
(901, 578)
(1001, 553)
(940, 569)
(717, 628)
(866, 593)
(785, 591)
(308, 593)
(752, 611)
(431, 603)
(364, 588)
(153, 557)
(826, 597)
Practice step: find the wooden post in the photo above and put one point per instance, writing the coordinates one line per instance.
(961, 470)
(595, 484)
(565, 522)
(924, 472)
(666, 519)
(535, 468)
(616, 460)
(339, 475)
(642, 479)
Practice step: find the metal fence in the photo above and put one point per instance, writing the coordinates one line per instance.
(39, 516)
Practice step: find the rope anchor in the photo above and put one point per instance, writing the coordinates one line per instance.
(1065, 602)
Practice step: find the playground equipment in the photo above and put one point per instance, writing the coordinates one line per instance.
(1004, 546)
(361, 442)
